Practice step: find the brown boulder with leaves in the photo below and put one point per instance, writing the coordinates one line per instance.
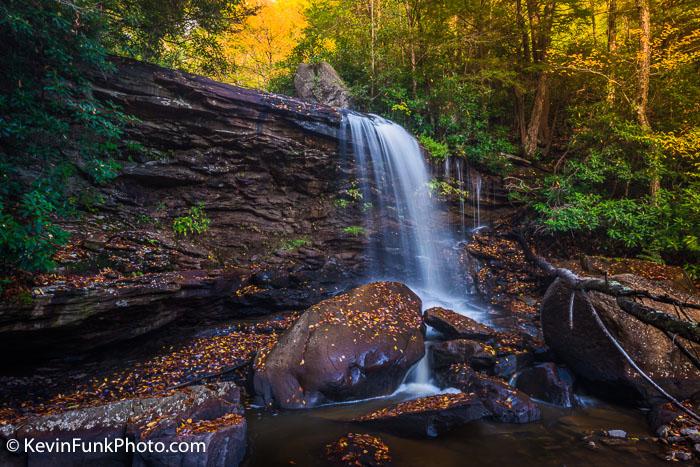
(355, 345)
(583, 346)
(427, 416)
(505, 403)
(210, 414)
(455, 326)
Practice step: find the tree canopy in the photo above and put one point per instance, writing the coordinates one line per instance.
(603, 95)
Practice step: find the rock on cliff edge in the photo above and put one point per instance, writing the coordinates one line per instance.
(319, 82)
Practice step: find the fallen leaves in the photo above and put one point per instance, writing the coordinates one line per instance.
(358, 449)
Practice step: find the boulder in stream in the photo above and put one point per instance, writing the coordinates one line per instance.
(356, 345)
(592, 357)
(208, 413)
(427, 416)
(455, 326)
(548, 383)
(505, 403)
(444, 354)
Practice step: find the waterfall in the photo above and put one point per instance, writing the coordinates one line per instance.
(409, 241)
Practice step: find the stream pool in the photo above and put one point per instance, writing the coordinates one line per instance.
(299, 437)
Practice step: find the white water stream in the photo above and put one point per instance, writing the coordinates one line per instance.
(409, 240)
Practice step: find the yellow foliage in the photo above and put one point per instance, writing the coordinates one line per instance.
(266, 39)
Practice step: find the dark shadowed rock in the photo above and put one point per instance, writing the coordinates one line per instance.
(505, 403)
(222, 443)
(358, 344)
(455, 326)
(668, 420)
(73, 319)
(508, 364)
(215, 422)
(319, 82)
(544, 382)
(427, 416)
(592, 357)
(156, 418)
(444, 354)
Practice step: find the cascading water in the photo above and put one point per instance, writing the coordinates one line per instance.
(477, 201)
(460, 179)
(409, 241)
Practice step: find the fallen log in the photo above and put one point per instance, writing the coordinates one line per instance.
(687, 329)
(668, 324)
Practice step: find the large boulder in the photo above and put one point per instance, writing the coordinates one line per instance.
(588, 352)
(319, 82)
(355, 345)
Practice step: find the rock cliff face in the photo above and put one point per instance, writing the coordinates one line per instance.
(266, 171)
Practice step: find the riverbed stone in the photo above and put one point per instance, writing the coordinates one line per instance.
(139, 419)
(505, 403)
(444, 354)
(359, 449)
(546, 383)
(455, 326)
(356, 345)
(427, 416)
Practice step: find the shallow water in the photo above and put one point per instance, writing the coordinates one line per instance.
(299, 437)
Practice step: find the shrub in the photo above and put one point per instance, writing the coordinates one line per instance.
(354, 230)
(436, 150)
(294, 244)
(195, 222)
(50, 124)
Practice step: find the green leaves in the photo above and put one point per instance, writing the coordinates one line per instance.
(195, 222)
(436, 150)
(49, 123)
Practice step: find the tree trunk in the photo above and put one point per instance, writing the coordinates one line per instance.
(538, 106)
(520, 115)
(644, 64)
(612, 48)
(643, 71)
(520, 20)
(593, 23)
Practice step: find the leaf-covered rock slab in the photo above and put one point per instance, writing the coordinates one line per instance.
(427, 416)
(505, 403)
(455, 326)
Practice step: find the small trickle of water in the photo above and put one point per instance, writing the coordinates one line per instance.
(460, 178)
(477, 201)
